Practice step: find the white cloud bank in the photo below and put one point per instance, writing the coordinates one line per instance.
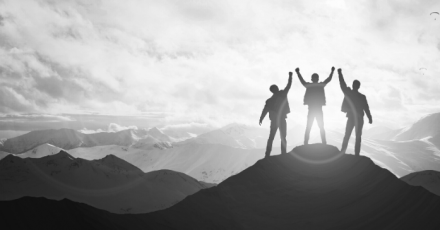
(213, 61)
(113, 127)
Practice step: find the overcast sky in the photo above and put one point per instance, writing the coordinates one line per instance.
(202, 62)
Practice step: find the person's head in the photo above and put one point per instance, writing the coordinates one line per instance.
(274, 89)
(356, 85)
(315, 77)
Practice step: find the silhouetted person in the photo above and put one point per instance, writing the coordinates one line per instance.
(315, 99)
(354, 104)
(278, 107)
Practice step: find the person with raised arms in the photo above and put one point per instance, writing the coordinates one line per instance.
(278, 107)
(355, 105)
(315, 99)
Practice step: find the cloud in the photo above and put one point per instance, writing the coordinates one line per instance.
(35, 117)
(87, 123)
(191, 127)
(11, 101)
(36, 121)
(1, 20)
(113, 127)
(209, 61)
(184, 126)
(90, 131)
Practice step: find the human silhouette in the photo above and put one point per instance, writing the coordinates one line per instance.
(315, 99)
(354, 104)
(278, 107)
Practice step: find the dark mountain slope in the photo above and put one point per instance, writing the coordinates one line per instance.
(428, 179)
(313, 187)
(109, 183)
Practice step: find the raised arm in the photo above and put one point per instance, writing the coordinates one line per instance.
(342, 83)
(263, 113)
(289, 83)
(301, 79)
(367, 111)
(329, 77)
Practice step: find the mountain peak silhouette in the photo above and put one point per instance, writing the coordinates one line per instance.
(312, 187)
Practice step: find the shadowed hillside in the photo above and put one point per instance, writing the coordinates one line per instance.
(109, 183)
(428, 179)
(312, 187)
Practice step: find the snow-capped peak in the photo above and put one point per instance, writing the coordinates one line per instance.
(40, 151)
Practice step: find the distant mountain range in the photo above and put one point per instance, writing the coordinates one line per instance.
(109, 183)
(211, 163)
(69, 139)
(402, 151)
(234, 135)
(205, 162)
(428, 126)
(291, 191)
(140, 171)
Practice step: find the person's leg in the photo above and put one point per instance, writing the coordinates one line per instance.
(283, 134)
(310, 119)
(273, 131)
(358, 130)
(320, 120)
(348, 130)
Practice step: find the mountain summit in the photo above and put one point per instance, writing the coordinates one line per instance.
(312, 187)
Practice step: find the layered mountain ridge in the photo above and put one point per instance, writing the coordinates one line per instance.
(312, 187)
(109, 183)
(70, 139)
(152, 150)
